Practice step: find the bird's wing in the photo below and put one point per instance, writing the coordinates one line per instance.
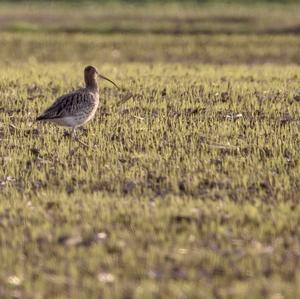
(67, 105)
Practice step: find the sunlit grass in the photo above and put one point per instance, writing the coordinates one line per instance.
(118, 48)
(188, 190)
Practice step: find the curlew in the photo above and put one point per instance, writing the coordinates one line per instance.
(78, 107)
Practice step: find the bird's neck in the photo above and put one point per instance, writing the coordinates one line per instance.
(91, 83)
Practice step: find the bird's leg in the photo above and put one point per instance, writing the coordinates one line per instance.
(73, 133)
(72, 137)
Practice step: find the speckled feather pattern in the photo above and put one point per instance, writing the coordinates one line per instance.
(75, 108)
(79, 105)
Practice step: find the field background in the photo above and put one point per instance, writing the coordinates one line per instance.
(188, 190)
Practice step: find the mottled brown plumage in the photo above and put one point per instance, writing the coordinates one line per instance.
(78, 107)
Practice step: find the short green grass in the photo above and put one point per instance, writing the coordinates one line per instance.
(161, 18)
(150, 48)
(188, 190)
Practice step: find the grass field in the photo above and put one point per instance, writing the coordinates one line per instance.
(188, 190)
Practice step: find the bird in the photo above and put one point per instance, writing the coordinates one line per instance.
(77, 107)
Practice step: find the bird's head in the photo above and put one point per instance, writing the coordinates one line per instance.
(91, 73)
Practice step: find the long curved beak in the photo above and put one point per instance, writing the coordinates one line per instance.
(105, 78)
